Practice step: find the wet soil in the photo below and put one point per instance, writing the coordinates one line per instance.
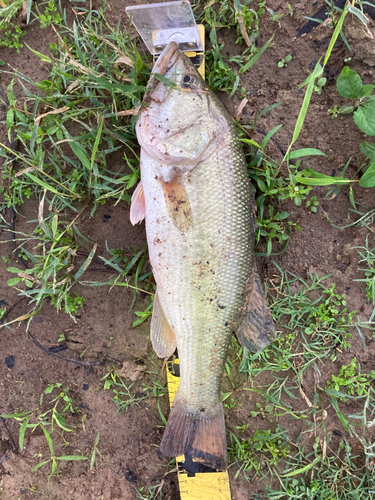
(129, 440)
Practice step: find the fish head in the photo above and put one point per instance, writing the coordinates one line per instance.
(177, 125)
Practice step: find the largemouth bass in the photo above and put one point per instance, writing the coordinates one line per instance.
(196, 197)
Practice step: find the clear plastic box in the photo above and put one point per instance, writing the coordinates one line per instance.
(160, 23)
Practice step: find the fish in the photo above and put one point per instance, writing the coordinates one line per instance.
(197, 201)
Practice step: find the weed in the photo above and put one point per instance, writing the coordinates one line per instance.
(350, 381)
(10, 32)
(123, 397)
(49, 420)
(95, 451)
(284, 62)
(99, 99)
(335, 111)
(50, 14)
(317, 321)
(220, 76)
(312, 204)
(252, 454)
(367, 255)
(350, 86)
(319, 85)
(275, 17)
(333, 476)
(263, 412)
(274, 227)
(241, 17)
(150, 493)
(143, 315)
(230, 402)
(71, 304)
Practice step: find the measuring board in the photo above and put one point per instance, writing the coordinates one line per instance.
(195, 56)
(158, 24)
(195, 485)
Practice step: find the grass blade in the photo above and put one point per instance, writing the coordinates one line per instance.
(269, 135)
(299, 153)
(254, 59)
(22, 433)
(87, 262)
(303, 469)
(335, 35)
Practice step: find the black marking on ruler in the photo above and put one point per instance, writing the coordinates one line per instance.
(191, 468)
(174, 368)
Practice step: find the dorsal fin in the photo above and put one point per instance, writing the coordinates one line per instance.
(255, 327)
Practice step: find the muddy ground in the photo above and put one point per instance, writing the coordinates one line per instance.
(129, 440)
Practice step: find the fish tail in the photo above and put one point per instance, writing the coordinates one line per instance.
(200, 434)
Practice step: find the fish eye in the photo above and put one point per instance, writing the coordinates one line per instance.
(188, 81)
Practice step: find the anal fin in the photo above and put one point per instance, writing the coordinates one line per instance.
(255, 327)
(163, 337)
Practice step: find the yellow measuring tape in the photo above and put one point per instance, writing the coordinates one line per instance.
(195, 485)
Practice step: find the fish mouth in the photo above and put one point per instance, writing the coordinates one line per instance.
(167, 59)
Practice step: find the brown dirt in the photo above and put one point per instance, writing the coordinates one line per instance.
(129, 440)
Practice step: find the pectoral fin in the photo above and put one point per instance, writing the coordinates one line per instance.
(255, 328)
(178, 205)
(138, 206)
(163, 337)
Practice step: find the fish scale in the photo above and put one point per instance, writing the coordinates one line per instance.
(199, 299)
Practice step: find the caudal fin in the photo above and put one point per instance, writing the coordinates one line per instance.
(200, 434)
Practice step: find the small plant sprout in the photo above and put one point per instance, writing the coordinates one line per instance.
(320, 84)
(312, 204)
(334, 112)
(284, 62)
(95, 451)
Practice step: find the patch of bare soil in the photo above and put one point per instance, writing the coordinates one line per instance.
(129, 440)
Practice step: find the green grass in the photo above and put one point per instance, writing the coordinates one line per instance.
(315, 324)
(316, 327)
(52, 417)
(127, 396)
(150, 493)
(10, 32)
(97, 77)
(367, 266)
